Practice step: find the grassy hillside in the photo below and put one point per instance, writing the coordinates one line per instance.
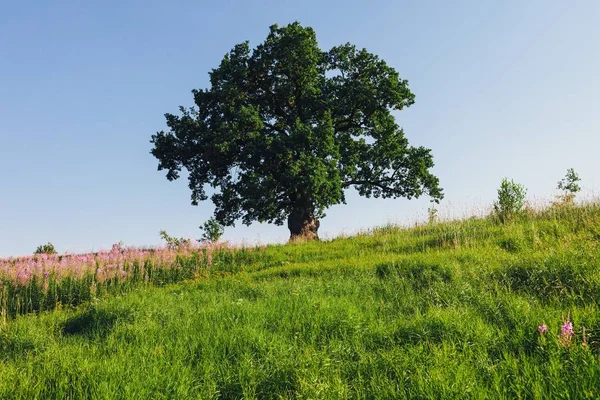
(440, 311)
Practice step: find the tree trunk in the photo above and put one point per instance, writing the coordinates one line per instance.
(303, 225)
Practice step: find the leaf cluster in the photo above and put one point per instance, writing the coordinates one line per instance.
(287, 126)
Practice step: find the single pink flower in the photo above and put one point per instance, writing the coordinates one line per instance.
(567, 329)
(566, 333)
(542, 329)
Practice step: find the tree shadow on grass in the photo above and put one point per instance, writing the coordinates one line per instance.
(419, 274)
(94, 323)
(12, 348)
(277, 384)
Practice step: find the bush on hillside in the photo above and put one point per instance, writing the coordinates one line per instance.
(511, 199)
(173, 242)
(432, 215)
(47, 248)
(569, 187)
(213, 231)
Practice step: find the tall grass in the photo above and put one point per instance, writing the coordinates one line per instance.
(449, 310)
(45, 282)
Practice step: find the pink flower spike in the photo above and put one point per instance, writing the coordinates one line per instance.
(567, 329)
(542, 329)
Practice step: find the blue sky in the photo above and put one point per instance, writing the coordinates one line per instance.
(507, 88)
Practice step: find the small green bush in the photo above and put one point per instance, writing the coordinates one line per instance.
(47, 248)
(511, 199)
(569, 188)
(213, 231)
(173, 242)
(432, 215)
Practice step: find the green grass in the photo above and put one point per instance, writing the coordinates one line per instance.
(442, 311)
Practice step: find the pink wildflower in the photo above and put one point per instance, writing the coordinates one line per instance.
(567, 329)
(566, 333)
(542, 329)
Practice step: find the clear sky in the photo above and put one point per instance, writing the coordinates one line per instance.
(503, 88)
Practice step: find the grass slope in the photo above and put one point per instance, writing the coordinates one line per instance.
(443, 311)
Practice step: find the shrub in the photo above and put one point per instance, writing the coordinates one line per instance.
(569, 187)
(173, 242)
(213, 231)
(432, 215)
(511, 199)
(47, 248)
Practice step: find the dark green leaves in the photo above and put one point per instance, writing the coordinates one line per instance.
(287, 126)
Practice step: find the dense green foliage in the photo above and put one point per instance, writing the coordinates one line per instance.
(444, 310)
(212, 231)
(569, 187)
(286, 127)
(47, 248)
(511, 199)
(569, 182)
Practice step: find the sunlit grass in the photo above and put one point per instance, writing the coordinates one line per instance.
(446, 310)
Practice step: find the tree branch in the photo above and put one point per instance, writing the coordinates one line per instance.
(380, 184)
(347, 121)
(274, 128)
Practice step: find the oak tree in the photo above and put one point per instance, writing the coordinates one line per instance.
(285, 128)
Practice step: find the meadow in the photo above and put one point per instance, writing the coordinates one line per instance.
(458, 309)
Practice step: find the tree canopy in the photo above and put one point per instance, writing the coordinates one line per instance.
(285, 128)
